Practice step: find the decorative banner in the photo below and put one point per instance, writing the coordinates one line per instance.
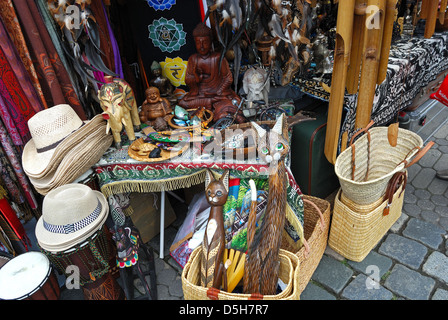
(167, 35)
(161, 4)
(174, 70)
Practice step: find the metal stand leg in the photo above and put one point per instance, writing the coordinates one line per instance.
(162, 224)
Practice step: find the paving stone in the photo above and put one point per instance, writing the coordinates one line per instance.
(430, 216)
(423, 178)
(439, 200)
(426, 204)
(437, 266)
(422, 194)
(332, 274)
(373, 259)
(443, 222)
(413, 171)
(330, 252)
(410, 197)
(441, 164)
(443, 149)
(408, 252)
(175, 288)
(425, 232)
(399, 223)
(442, 210)
(364, 288)
(409, 283)
(166, 276)
(430, 158)
(441, 142)
(441, 133)
(440, 294)
(437, 186)
(412, 209)
(314, 292)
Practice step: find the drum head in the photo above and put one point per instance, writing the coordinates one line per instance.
(23, 275)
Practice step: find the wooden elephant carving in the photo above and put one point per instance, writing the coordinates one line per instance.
(119, 108)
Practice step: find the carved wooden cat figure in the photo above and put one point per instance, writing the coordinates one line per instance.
(212, 267)
(262, 260)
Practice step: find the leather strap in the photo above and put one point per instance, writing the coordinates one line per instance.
(212, 293)
(256, 296)
(398, 179)
(419, 155)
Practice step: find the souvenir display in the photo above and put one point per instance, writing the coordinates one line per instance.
(100, 100)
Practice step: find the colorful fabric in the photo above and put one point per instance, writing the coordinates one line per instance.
(20, 72)
(11, 21)
(53, 77)
(10, 124)
(14, 160)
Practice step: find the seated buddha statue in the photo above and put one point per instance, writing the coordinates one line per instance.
(209, 83)
(154, 107)
(164, 85)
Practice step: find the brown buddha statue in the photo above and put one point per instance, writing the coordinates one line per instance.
(154, 106)
(210, 85)
(164, 85)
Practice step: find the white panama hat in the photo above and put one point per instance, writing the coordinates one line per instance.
(70, 214)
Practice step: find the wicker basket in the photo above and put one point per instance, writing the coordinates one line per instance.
(357, 229)
(316, 225)
(364, 172)
(289, 270)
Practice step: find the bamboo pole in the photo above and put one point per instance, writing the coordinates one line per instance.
(432, 18)
(370, 61)
(356, 50)
(389, 19)
(344, 31)
(442, 11)
(424, 9)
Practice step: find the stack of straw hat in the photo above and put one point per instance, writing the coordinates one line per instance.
(70, 215)
(62, 147)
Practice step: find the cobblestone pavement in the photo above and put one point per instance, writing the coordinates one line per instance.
(409, 263)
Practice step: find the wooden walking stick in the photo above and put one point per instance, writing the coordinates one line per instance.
(356, 50)
(344, 31)
(390, 16)
(432, 18)
(370, 62)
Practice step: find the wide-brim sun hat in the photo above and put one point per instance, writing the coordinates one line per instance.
(54, 132)
(70, 214)
(77, 161)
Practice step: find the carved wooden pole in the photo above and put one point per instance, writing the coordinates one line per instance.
(356, 51)
(370, 62)
(431, 18)
(344, 30)
(442, 11)
(387, 39)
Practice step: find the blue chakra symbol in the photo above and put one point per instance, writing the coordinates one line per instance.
(161, 4)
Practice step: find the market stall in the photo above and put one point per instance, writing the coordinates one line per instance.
(100, 99)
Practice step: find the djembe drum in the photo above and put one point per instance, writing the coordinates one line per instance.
(95, 260)
(28, 276)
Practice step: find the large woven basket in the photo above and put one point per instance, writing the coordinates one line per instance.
(365, 173)
(316, 226)
(357, 229)
(289, 270)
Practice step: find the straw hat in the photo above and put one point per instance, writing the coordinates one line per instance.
(70, 214)
(54, 132)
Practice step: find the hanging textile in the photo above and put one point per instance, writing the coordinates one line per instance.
(14, 97)
(55, 80)
(9, 17)
(115, 48)
(20, 72)
(55, 36)
(13, 228)
(14, 160)
(9, 122)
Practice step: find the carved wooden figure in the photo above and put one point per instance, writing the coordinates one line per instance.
(120, 109)
(212, 267)
(262, 259)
